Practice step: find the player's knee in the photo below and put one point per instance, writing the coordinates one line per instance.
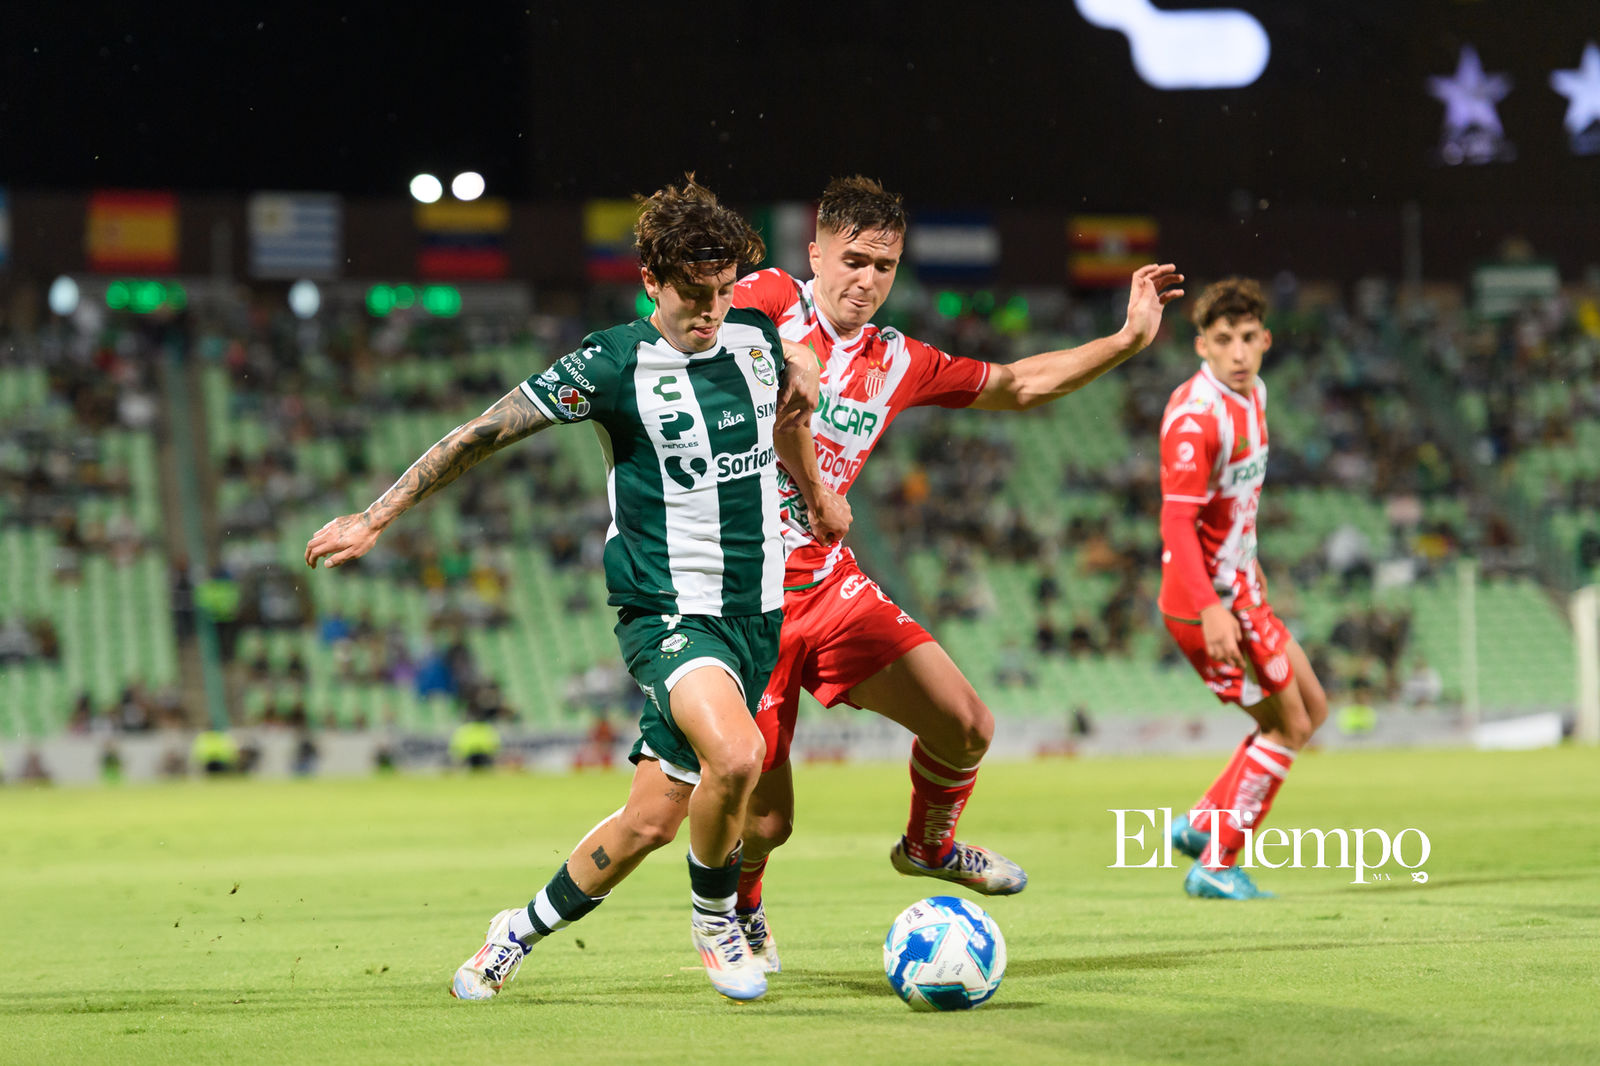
(737, 763)
(770, 829)
(649, 830)
(974, 728)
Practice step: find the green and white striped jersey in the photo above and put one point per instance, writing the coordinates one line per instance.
(691, 470)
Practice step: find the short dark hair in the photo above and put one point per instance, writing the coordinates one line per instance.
(683, 233)
(1231, 299)
(855, 205)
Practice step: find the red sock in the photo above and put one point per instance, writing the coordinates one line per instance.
(1220, 789)
(1265, 766)
(750, 883)
(938, 792)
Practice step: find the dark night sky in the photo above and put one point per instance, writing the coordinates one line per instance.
(953, 103)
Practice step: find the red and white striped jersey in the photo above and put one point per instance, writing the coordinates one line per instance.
(1214, 456)
(866, 381)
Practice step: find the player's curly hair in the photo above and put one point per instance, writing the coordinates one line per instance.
(854, 205)
(683, 233)
(1231, 299)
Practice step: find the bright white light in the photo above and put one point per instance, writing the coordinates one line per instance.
(426, 188)
(305, 299)
(468, 185)
(1215, 49)
(63, 296)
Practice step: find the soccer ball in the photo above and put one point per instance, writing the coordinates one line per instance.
(944, 953)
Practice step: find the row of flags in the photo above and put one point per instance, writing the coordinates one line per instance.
(301, 235)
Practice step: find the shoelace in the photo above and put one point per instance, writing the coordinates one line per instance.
(730, 942)
(509, 954)
(755, 928)
(971, 860)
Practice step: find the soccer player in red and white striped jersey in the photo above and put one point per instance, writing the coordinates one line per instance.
(843, 639)
(1213, 594)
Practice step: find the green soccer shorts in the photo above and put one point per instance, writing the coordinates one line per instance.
(661, 649)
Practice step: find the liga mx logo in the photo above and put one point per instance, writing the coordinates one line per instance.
(572, 403)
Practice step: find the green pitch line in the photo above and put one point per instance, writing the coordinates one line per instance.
(314, 922)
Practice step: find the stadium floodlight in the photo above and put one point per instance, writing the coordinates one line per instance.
(467, 185)
(426, 188)
(63, 296)
(1219, 48)
(305, 299)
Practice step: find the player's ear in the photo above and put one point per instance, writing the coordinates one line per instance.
(814, 250)
(1200, 344)
(1266, 338)
(652, 286)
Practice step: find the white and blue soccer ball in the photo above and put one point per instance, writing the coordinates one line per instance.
(944, 953)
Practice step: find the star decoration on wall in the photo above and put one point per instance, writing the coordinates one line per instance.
(1469, 95)
(1581, 87)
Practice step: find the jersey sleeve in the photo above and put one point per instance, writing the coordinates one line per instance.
(939, 379)
(581, 385)
(1189, 445)
(770, 291)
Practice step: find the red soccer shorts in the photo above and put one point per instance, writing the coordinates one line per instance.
(1265, 643)
(835, 635)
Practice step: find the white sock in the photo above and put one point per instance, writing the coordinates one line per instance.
(522, 928)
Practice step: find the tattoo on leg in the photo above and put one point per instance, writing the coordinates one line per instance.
(601, 859)
(676, 795)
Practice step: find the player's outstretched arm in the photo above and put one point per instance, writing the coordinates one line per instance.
(351, 536)
(1050, 375)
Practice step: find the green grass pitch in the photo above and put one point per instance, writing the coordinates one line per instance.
(319, 921)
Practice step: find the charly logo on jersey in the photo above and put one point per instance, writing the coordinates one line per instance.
(674, 644)
(1188, 425)
(570, 403)
(762, 364)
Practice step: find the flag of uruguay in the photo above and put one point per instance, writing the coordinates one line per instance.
(295, 235)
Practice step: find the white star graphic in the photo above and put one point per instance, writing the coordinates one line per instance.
(1469, 97)
(1581, 87)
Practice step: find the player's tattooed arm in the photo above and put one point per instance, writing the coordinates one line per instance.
(509, 420)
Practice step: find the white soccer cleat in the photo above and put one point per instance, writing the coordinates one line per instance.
(970, 866)
(733, 970)
(763, 945)
(481, 976)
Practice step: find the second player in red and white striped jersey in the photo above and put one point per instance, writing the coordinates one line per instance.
(867, 380)
(1214, 457)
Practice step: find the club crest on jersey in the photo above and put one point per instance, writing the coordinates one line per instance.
(878, 363)
(674, 644)
(570, 402)
(761, 363)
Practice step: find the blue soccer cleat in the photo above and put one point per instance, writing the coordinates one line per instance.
(1187, 839)
(969, 866)
(1230, 882)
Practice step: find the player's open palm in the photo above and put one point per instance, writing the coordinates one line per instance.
(1152, 289)
(347, 537)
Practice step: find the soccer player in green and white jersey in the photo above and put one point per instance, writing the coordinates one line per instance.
(692, 406)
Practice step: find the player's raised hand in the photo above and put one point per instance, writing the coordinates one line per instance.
(1152, 289)
(347, 537)
(1222, 634)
